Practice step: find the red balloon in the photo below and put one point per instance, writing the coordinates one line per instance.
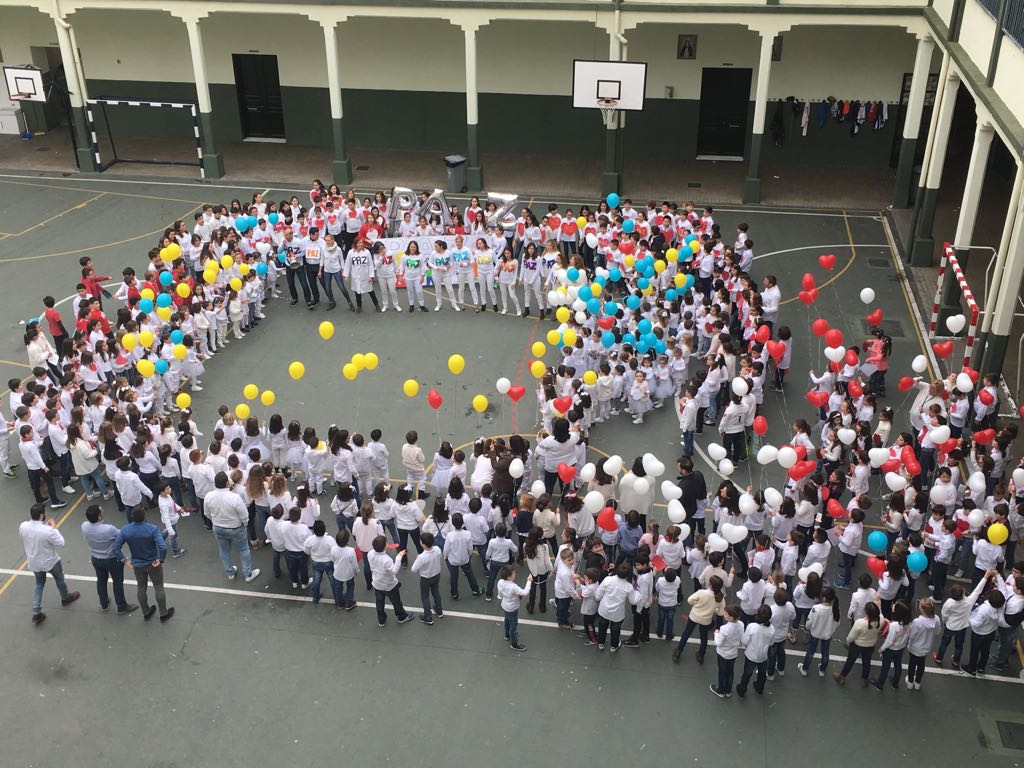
(806, 297)
(808, 281)
(943, 349)
(907, 454)
(763, 333)
(606, 323)
(833, 338)
(875, 318)
(984, 436)
(949, 445)
(819, 326)
(760, 425)
(562, 404)
(986, 397)
(854, 388)
(905, 383)
(892, 465)
(606, 520)
(851, 357)
(835, 509)
(796, 472)
(827, 261)
(801, 453)
(877, 566)
(566, 472)
(817, 399)
(627, 247)
(1022, 411)
(974, 375)
(913, 468)
(835, 367)
(658, 563)
(776, 349)
(434, 399)
(824, 493)
(516, 393)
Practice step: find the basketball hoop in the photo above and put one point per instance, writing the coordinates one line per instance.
(20, 96)
(609, 108)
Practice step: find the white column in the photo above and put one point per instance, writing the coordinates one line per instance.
(1004, 246)
(84, 156)
(764, 66)
(68, 57)
(474, 172)
(342, 166)
(1009, 289)
(471, 94)
(918, 87)
(938, 156)
(213, 162)
(972, 187)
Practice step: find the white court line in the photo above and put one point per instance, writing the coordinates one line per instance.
(820, 247)
(497, 619)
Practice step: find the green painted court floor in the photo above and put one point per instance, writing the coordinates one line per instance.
(255, 675)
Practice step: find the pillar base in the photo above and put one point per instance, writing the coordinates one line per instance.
(904, 174)
(213, 161)
(751, 191)
(341, 171)
(213, 165)
(994, 354)
(474, 178)
(341, 167)
(923, 248)
(474, 170)
(86, 160)
(752, 184)
(611, 181)
(921, 254)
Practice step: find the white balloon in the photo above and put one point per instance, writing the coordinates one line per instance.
(538, 488)
(817, 568)
(593, 502)
(581, 317)
(579, 305)
(956, 323)
(503, 385)
(964, 383)
(591, 239)
(766, 454)
(1018, 479)
(937, 494)
(613, 465)
(672, 491)
(772, 497)
(939, 434)
(658, 470)
(684, 531)
(675, 511)
(516, 468)
(748, 505)
(641, 485)
(787, 457)
(716, 543)
(846, 436)
(734, 534)
(739, 386)
(726, 467)
(600, 272)
(717, 452)
(626, 482)
(919, 364)
(835, 354)
(895, 482)
(263, 248)
(562, 275)
(572, 290)
(587, 472)
(867, 295)
(976, 483)
(878, 456)
(554, 298)
(976, 518)
(650, 463)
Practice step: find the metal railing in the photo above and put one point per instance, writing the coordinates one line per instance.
(1013, 21)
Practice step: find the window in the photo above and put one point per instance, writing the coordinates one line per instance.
(992, 6)
(1013, 21)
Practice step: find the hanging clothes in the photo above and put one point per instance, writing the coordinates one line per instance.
(822, 114)
(778, 126)
(856, 117)
(805, 118)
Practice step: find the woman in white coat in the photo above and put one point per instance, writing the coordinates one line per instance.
(630, 497)
(557, 448)
(359, 271)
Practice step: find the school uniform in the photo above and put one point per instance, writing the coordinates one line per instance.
(923, 630)
(499, 553)
(752, 595)
(956, 618)
(321, 551)
(427, 566)
(458, 548)
(511, 595)
(782, 618)
(612, 595)
(384, 579)
(756, 641)
(668, 598)
(893, 645)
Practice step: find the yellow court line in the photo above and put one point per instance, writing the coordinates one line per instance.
(23, 563)
(105, 192)
(18, 365)
(77, 207)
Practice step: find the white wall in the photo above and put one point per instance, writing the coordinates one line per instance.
(944, 8)
(141, 45)
(1009, 76)
(976, 34)
(413, 54)
(20, 29)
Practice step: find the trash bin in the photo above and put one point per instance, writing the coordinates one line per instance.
(455, 165)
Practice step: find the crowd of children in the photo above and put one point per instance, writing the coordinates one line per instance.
(653, 308)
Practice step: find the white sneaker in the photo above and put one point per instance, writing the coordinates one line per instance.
(234, 572)
(398, 308)
(253, 575)
(68, 489)
(638, 420)
(196, 388)
(802, 669)
(384, 308)
(504, 311)
(457, 307)
(437, 307)
(821, 672)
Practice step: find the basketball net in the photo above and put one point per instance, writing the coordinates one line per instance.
(609, 112)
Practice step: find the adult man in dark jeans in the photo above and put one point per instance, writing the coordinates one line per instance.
(694, 498)
(148, 549)
(295, 269)
(108, 563)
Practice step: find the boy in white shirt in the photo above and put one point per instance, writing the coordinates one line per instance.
(511, 596)
(170, 513)
(667, 588)
(728, 638)
(428, 566)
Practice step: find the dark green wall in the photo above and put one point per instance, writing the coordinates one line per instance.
(666, 129)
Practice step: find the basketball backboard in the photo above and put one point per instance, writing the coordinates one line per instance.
(608, 84)
(24, 83)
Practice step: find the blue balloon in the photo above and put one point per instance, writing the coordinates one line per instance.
(689, 282)
(594, 306)
(689, 239)
(601, 280)
(916, 561)
(660, 347)
(572, 274)
(261, 269)
(877, 541)
(628, 226)
(628, 338)
(633, 302)
(611, 308)
(177, 336)
(166, 278)
(281, 257)
(163, 300)
(585, 293)
(273, 218)
(615, 274)
(161, 366)
(650, 339)
(146, 306)
(612, 200)
(607, 339)
(649, 273)
(641, 347)
(671, 294)
(642, 284)
(644, 326)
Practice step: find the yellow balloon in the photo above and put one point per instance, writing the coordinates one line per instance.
(349, 371)
(129, 341)
(679, 279)
(695, 246)
(359, 361)
(538, 349)
(647, 291)
(659, 266)
(236, 284)
(411, 387)
(456, 364)
(146, 338)
(596, 289)
(173, 250)
(371, 360)
(147, 293)
(296, 370)
(211, 265)
(590, 378)
(164, 313)
(250, 391)
(998, 533)
(183, 400)
(145, 367)
(569, 337)
(226, 261)
(165, 255)
(581, 222)
(268, 397)
(672, 254)
(629, 260)
(554, 336)
(210, 277)
(243, 269)
(179, 351)
(479, 403)
(562, 314)
(242, 411)
(183, 290)
(537, 368)
(326, 329)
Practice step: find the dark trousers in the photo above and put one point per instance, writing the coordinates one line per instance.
(493, 569)
(891, 658)
(939, 571)
(749, 668)
(36, 479)
(403, 541)
(666, 620)
(328, 280)
(702, 629)
(562, 605)
(298, 566)
(641, 624)
(430, 589)
(812, 646)
(396, 602)
(777, 657)
(735, 445)
(512, 626)
(915, 668)
(311, 279)
(862, 653)
(113, 569)
(373, 298)
(539, 584)
(957, 638)
(602, 631)
(299, 274)
(589, 620)
(726, 672)
(980, 647)
(453, 575)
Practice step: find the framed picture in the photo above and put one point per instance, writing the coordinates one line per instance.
(686, 47)
(931, 87)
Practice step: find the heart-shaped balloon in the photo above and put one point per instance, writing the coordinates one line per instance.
(827, 261)
(943, 349)
(875, 318)
(516, 393)
(562, 404)
(835, 354)
(956, 323)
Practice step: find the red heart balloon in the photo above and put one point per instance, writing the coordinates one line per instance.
(434, 399)
(984, 436)
(819, 327)
(875, 318)
(835, 509)
(516, 393)
(854, 388)
(851, 357)
(658, 563)
(892, 465)
(833, 338)
(806, 297)
(606, 520)
(562, 404)
(627, 247)
(986, 397)
(907, 454)
(905, 383)
(817, 399)
(776, 349)
(943, 349)
(949, 445)
(974, 375)
(913, 468)
(808, 281)
(760, 425)
(827, 261)
(606, 323)
(801, 453)
(763, 333)
(566, 472)
(877, 566)
(835, 367)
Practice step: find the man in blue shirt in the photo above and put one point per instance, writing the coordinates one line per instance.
(148, 550)
(108, 563)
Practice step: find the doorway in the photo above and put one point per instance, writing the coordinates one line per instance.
(259, 97)
(724, 106)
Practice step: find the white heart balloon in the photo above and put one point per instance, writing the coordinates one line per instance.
(626, 482)
(670, 490)
(675, 511)
(766, 454)
(538, 488)
(734, 534)
(747, 504)
(835, 354)
(587, 472)
(650, 462)
(516, 468)
(593, 502)
(684, 531)
(895, 482)
(867, 295)
(716, 543)
(939, 434)
(806, 571)
(956, 323)
(717, 452)
(739, 386)
(658, 470)
(613, 465)
(1018, 479)
(641, 485)
(579, 305)
(878, 456)
(919, 364)
(964, 383)
(976, 482)
(772, 497)
(976, 518)
(591, 239)
(726, 467)
(554, 298)
(503, 385)
(787, 457)
(846, 436)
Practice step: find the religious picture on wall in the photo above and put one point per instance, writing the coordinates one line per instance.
(686, 47)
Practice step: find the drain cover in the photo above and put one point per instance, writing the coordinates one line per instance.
(362, 167)
(880, 262)
(694, 185)
(1011, 734)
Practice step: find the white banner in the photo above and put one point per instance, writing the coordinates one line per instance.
(425, 243)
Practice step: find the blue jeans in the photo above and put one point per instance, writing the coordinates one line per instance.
(237, 536)
(174, 542)
(276, 563)
(94, 482)
(175, 484)
(858, 652)
(298, 565)
(327, 279)
(493, 569)
(396, 602)
(666, 620)
(890, 658)
(429, 588)
(453, 575)
(58, 576)
(812, 645)
(113, 569)
(562, 605)
(319, 571)
(688, 443)
(702, 630)
(390, 527)
(345, 594)
(344, 523)
(749, 667)
(726, 672)
(262, 513)
(777, 657)
(847, 569)
(512, 626)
